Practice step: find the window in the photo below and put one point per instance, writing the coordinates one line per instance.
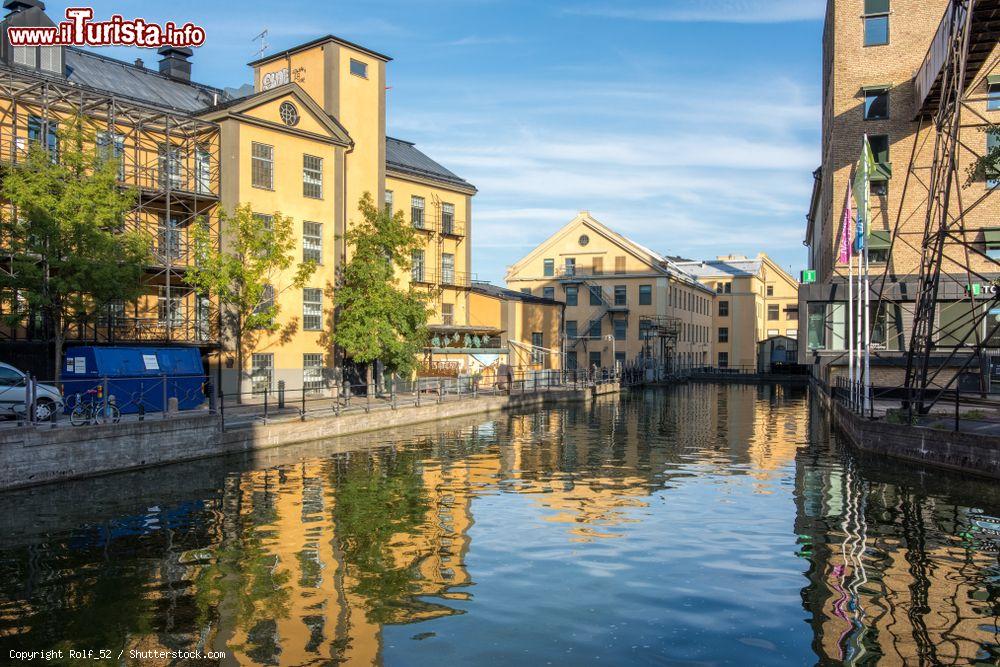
(621, 329)
(289, 114)
(261, 372)
(266, 304)
(876, 103)
(645, 295)
(570, 266)
(723, 334)
(526, 290)
(773, 312)
(262, 166)
(645, 327)
(417, 266)
(312, 242)
(202, 170)
(792, 313)
(312, 373)
(312, 309)
(168, 237)
(619, 358)
(792, 333)
(388, 202)
(993, 170)
(171, 161)
(571, 329)
(537, 354)
(595, 359)
(447, 268)
(267, 221)
(723, 309)
(25, 55)
(50, 58)
(880, 188)
(583, 240)
(312, 177)
(448, 314)
(596, 299)
(770, 290)
(598, 265)
(359, 68)
(111, 146)
(880, 147)
(595, 331)
(548, 267)
(723, 360)
(572, 295)
(621, 295)
(169, 309)
(771, 333)
(571, 362)
(876, 22)
(417, 211)
(993, 96)
(549, 292)
(620, 264)
(447, 218)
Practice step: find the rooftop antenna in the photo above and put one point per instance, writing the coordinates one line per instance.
(264, 46)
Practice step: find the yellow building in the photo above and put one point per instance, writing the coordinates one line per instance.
(624, 302)
(530, 326)
(308, 140)
(756, 300)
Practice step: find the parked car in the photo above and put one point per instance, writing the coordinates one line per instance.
(12, 395)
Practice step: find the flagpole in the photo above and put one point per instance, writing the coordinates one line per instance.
(850, 296)
(867, 301)
(857, 312)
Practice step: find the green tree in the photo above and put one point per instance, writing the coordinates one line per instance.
(242, 273)
(69, 253)
(378, 320)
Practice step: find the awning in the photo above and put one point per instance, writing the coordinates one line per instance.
(993, 80)
(992, 237)
(876, 87)
(880, 239)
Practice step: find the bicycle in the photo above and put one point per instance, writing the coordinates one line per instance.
(94, 411)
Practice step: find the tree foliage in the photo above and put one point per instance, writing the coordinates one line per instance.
(64, 230)
(247, 273)
(377, 319)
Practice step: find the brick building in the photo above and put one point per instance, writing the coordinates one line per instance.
(883, 67)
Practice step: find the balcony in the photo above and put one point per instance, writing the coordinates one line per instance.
(449, 227)
(441, 278)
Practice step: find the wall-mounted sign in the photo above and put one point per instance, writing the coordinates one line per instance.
(808, 277)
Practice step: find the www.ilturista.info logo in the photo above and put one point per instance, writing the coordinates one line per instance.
(79, 30)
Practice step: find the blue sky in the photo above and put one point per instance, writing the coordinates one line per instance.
(691, 126)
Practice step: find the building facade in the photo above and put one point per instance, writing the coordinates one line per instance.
(307, 141)
(755, 300)
(624, 303)
(883, 72)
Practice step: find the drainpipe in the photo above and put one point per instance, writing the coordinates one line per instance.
(343, 258)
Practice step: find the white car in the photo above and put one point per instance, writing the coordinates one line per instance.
(48, 400)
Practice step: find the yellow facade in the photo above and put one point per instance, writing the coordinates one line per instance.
(756, 300)
(610, 286)
(531, 328)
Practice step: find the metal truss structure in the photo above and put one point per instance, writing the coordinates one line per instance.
(954, 265)
(170, 158)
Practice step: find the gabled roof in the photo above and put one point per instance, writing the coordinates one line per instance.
(238, 107)
(138, 83)
(403, 157)
(656, 262)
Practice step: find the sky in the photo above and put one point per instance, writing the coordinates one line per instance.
(691, 126)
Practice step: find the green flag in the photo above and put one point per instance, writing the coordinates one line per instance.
(862, 184)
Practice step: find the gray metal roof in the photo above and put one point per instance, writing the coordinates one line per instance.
(734, 267)
(403, 156)
(145, 85)
(503, 293)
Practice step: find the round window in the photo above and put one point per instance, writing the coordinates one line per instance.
(289, 114)
(584, 239)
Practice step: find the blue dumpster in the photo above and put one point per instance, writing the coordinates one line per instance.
(136, 376)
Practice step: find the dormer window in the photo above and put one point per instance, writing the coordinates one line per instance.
(50, 59)
(25, 55)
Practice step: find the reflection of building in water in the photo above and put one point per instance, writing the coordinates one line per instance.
(894, 576)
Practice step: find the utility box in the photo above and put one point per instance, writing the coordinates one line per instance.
(140, 378)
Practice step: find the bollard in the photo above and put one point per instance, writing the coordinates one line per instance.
(212, 398)
(392, 393)
(265, 404)
(142, 411)
(163, 407)
(303, 415)
(417, 387)
(368, 397)
(172, 405)
(281, 394)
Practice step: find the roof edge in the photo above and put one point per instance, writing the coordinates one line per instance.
(315, 42)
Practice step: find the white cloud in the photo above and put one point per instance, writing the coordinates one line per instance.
(714, 11)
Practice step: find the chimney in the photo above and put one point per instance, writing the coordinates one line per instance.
(175, 63)
(19, 5)
(139, 63)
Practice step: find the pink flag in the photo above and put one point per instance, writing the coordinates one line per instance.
(846, 235)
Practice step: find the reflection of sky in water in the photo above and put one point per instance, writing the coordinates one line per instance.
(709, 524)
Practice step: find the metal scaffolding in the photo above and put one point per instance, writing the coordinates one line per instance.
(170, 158)
(954, 265)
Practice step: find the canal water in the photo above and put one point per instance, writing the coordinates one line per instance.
(703, 524)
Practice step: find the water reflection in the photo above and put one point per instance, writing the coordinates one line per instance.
(703, 523)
